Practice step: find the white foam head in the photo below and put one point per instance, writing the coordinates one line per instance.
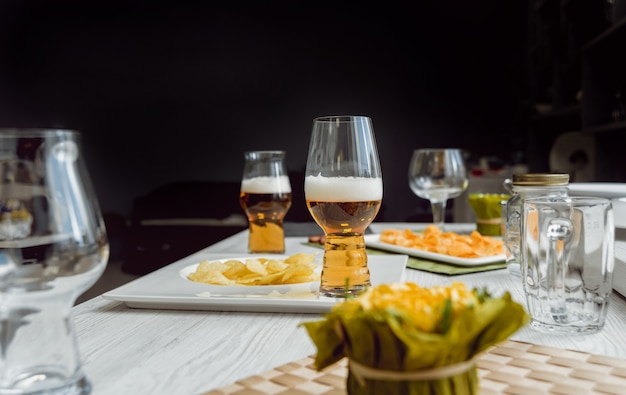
(343, 189)
(278, 184)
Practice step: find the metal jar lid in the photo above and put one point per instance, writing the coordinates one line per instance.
(541, 179)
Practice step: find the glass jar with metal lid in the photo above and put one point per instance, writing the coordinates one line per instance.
(524, 186)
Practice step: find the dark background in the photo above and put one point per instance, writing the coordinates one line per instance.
(166, 92)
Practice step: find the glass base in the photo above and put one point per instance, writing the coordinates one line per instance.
(571, 329)
(342, 292)
(514, 269)
(45, 383)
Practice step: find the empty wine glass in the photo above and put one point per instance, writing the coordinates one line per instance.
(437, 175)
(53, 247)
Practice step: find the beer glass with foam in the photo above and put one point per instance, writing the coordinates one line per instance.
(265, 197)
(343, 190)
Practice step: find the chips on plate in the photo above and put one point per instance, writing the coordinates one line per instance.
(298, 268)
(433, 239)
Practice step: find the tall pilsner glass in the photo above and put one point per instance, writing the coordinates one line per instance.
(343, 189)
(53, 247)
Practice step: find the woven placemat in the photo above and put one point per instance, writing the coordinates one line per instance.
(513, 367)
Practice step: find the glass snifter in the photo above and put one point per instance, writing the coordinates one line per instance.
(343, 188)
(53, 247)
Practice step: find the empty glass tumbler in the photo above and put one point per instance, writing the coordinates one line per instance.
(568, 258)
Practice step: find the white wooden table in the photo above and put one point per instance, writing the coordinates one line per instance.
(139, 351)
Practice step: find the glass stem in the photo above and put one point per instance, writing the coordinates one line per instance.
(439, 213)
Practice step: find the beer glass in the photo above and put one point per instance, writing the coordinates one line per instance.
(343, 189)
(53, 247)
(567, 262)
(265, 197)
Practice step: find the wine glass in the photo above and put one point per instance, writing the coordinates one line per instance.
(53, 247)
(437, 175)
(343, 189)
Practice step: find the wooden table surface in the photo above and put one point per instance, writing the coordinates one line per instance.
(142, 351)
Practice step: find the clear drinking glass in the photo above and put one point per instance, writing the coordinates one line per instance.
(567, 251)
(437, 175)
(53, 247)
(524, 186)
(343, 190)
(265, 197)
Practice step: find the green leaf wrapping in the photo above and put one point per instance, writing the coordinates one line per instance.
(382, 330)
(329, 345)
(383, 340)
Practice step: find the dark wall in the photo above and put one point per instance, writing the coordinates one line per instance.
(178, 91)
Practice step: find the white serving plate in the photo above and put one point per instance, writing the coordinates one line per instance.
(374, 241)
(168, 288)
(611, 190)
(608, 190)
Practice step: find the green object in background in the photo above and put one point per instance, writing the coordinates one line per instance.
(488, 212)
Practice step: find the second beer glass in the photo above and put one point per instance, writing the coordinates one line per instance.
(265, 197)
(343, 189)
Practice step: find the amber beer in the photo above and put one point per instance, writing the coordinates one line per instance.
(266, 200)
(344, 207)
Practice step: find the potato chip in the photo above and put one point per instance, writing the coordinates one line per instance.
(295, 271)
(432, 239)
(212, 277)
(234, 268)
(301, 258)
(298, 268)
(255, 266)
(275, 266)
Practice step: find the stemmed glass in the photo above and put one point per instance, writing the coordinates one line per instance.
(343, 189)
(53, 247)
(437, 175)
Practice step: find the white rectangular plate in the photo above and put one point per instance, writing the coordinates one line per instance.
(374, 242)
(610, 190)
(167, 288)
(607, 190)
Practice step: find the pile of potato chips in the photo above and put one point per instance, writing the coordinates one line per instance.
(298, 268)
(432, 239)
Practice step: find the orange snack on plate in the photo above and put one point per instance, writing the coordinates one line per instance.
(432, 239)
